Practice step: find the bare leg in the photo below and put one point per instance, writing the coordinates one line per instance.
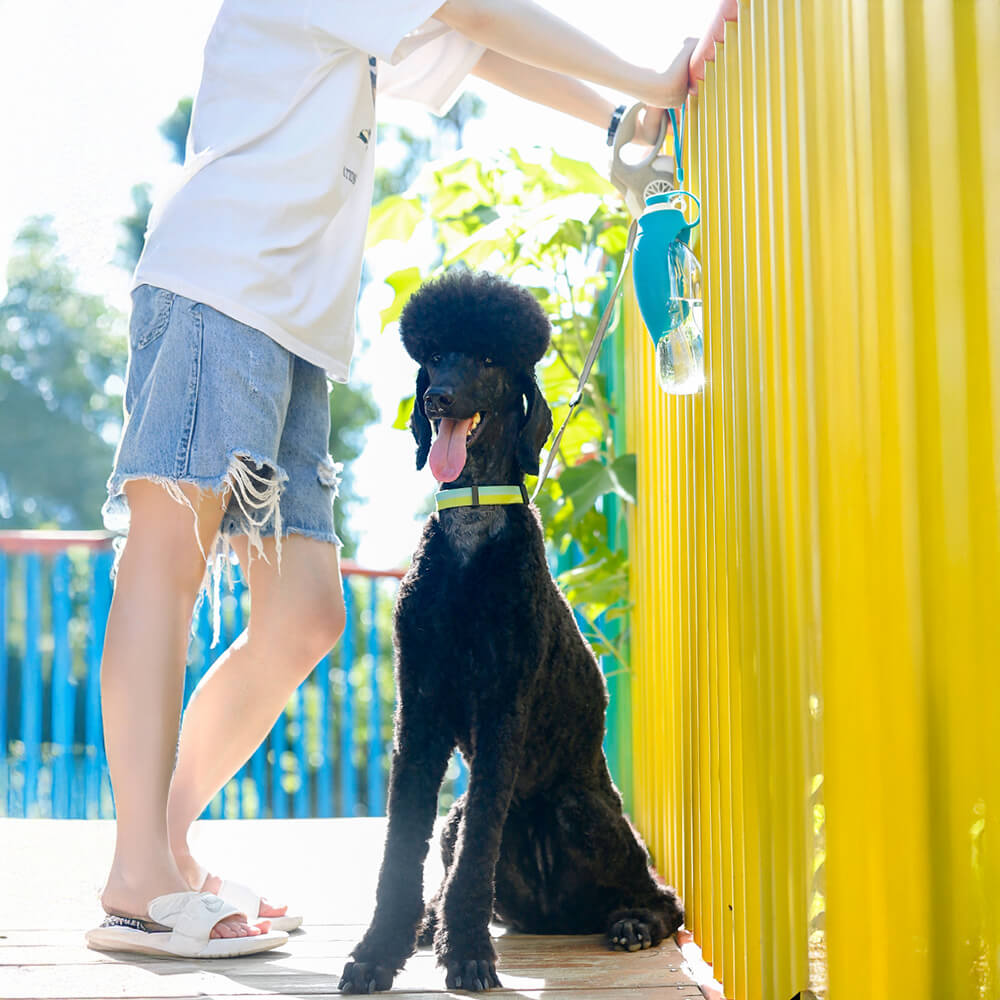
(142, 684)
(296, 616)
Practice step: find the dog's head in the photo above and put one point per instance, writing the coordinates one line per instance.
(477, 337)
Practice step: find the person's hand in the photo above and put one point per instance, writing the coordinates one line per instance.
(669, 89)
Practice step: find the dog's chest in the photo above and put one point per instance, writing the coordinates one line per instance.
(467, 531)
(471, 604)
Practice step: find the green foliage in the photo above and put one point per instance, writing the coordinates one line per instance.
(352, 409)
(176, 126)
(554, 225)
(174, 129)
(133, 239)
(60, 409)
(416, 150)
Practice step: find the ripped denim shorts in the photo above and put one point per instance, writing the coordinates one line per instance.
(218, 404)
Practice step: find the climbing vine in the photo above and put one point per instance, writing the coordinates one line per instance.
(557, 227)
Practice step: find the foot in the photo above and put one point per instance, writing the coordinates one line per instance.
(130, 898)
(201, 880)
(474, 975)
(213, 883)
(366, 977)
(634, 930)
(469, 960)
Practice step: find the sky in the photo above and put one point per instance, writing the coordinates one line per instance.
(84, 87)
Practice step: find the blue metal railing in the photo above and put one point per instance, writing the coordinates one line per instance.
(327, 755)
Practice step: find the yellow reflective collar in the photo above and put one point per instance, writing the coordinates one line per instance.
(480, 496)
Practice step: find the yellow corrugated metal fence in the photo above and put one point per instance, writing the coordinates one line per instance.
(816, 545)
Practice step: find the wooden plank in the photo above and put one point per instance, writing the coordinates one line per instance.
(289, 972)
(49, 894)
(519, 953)
(53, 983)
(640, 993)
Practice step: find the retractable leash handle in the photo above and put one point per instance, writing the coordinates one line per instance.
(654, 174)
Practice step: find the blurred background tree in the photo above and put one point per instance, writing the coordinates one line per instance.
(62, 358)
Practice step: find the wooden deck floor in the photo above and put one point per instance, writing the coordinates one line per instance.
(50, 876)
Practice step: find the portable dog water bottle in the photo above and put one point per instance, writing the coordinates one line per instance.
(667, 279)
(665, 272)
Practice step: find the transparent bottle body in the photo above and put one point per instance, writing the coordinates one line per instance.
(680, 359)
(680, 356)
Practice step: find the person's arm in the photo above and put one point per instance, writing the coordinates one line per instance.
(527, 33)
(563, 93)
(542, 86)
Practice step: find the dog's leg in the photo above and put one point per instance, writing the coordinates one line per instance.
(638, 911)
(449, 835)
(462, 941)
(420, 756)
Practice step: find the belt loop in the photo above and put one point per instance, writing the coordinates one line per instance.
(524, 494)
(475, 496)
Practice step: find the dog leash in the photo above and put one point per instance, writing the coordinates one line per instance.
(602, 329)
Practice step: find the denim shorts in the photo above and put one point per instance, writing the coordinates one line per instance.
(212, 402)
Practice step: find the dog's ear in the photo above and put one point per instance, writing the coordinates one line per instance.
(536, 429)
(419, 423)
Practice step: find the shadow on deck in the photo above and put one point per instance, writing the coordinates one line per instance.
(326, 869)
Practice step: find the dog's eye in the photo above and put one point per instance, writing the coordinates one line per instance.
(435, 359)
(489, 362)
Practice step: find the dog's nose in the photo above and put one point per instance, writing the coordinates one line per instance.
(438, 400)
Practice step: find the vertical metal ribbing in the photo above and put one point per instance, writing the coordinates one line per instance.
(823, 538)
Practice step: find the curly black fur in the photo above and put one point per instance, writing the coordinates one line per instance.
(475, 313)
(489, 658)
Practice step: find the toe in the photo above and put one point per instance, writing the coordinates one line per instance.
(270, 910)
(237, 926)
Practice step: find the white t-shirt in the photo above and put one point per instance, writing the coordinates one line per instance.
(267, 223)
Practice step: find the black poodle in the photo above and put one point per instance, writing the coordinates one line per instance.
(489, 658)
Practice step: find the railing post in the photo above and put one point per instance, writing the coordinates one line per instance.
(376, 786)
(100, 603)
(301, 757)
(4, 750)
(279, 743)
(348, 779)
(31, 683)
(237, 631)
(324, 773)
(63, 689)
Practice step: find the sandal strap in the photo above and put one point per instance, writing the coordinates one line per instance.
(191, 914)
(242, 896)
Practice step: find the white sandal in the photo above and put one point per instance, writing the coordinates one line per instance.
(247, 901)
(180, 926)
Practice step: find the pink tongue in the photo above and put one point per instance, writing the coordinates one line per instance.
(447, 456)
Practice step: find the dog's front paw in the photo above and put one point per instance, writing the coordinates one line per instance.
(366, 977)
(633, 930)
(473, 975)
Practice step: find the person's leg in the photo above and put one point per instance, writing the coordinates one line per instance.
(296, 616)
(142, 684)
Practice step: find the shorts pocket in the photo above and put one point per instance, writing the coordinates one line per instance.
(151, 308)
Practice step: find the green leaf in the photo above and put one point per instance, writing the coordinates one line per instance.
(623, 474)
(404, 283)
(402, 421)
(613, 240)
(394, 218)
(581, 176)
(583, 484)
